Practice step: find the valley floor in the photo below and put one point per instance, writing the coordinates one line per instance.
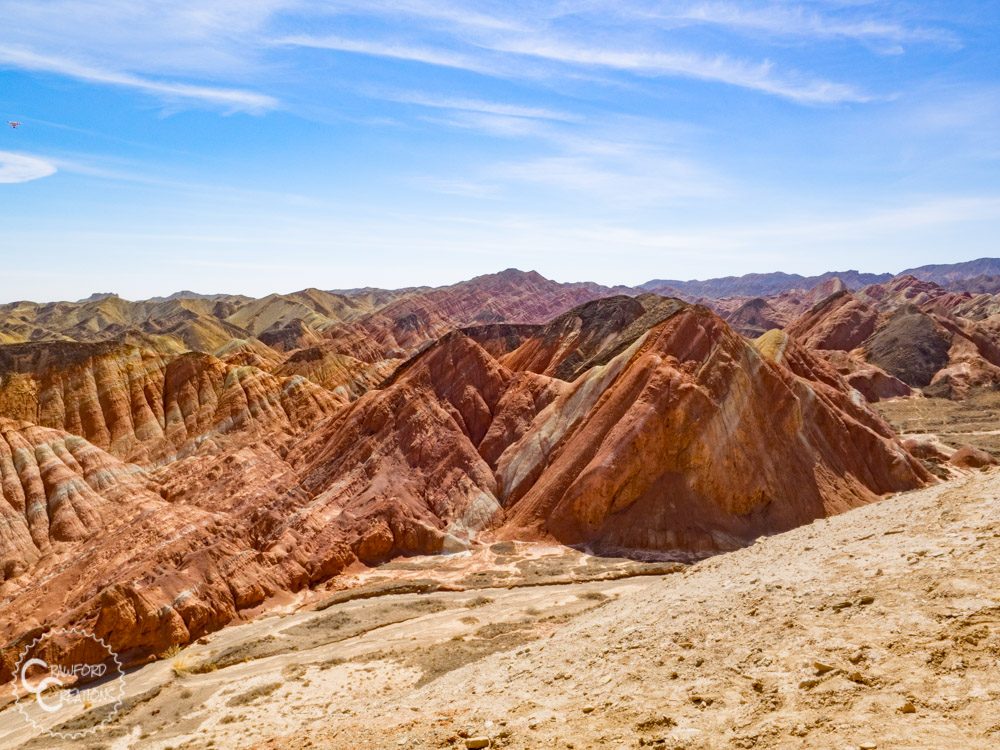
(879, 628)
(971, 421)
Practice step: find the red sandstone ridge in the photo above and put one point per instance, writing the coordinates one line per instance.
(833, 329)
(891, 338)
(841, 321)
(589, 335)
(146, 407)
(754, 318)
(128, 556)
(510, 296)
(904, 290)
(695, 440)
(410, 466)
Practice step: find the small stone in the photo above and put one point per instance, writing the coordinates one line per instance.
(821, 668)
(588, 709)
(908, 708)
(864, 601)
(475, 743)
(868, 746)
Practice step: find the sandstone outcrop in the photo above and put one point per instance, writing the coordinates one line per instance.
(693, 440)
(510, 296)
(345, 376)
(874, 383)
(906, 334)
(841, 322)
(146, 407)
(589, 335)
(754, 318)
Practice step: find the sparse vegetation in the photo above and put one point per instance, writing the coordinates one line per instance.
(171, 652)
(253, 694)
(479, 601)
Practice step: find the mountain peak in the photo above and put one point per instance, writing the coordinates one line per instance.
(98, 297)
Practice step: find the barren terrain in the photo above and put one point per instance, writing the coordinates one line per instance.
(973, 421)
(876, 628)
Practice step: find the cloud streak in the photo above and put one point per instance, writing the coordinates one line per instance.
(720, 69)
(15, 168)
(392, 50)
(785, 20)
(502, 109)
(760, 77)
(230, 99)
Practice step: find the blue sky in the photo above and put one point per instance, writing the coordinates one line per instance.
(242, 146)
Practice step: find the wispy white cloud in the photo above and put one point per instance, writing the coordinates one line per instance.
(435, 13)
(783, 19)
(393, 50)
(511, 57)
(213, 39)
(644, 178)
(502, 109)
(720, 68)
(621, 163)
(500, 126)
(16, 168)
(108, 43)
(230, 99)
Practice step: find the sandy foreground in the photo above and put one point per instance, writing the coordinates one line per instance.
(879, 628)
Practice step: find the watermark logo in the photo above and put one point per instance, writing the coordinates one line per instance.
(65, 673)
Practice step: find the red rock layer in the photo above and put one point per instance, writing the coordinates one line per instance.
(146, 407)
(410, 464)
(510, 296)
(904, 290)
(589, 334)
(754, 318)
(874, 383)
(345, 376)
(694, 440)
(907, 334)
(841, 322)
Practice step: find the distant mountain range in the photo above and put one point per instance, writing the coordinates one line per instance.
(948, 273)
(977, 276)
(759, 284)
(766, 284)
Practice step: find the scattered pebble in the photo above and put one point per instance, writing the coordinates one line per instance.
(821, 668)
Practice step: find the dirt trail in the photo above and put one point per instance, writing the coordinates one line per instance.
(877, 628)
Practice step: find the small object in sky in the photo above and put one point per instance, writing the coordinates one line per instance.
(13, 123)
